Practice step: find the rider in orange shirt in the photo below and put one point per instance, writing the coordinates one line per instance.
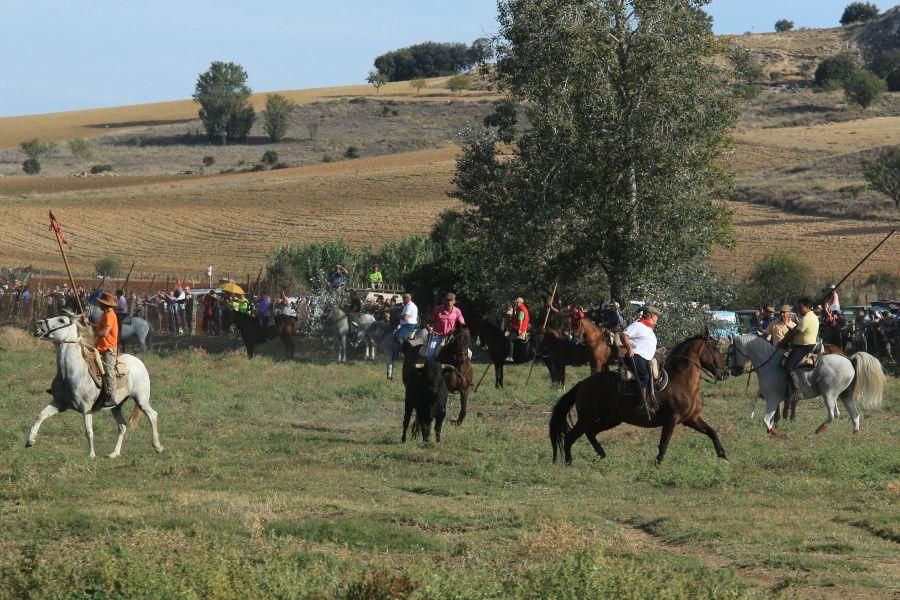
(107, 342)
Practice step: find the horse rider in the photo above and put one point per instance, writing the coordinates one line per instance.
(767, 319)
(121, 307)
(803, 338)
(445, 319)
(638, 349)
(376, 281)
(780, 327)
(264, 310)
(518, 326)
(106, 333)
(409, 319)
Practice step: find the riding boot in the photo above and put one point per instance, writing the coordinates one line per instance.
(795, 386)
(644, 395)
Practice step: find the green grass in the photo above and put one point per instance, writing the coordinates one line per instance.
(289, 480)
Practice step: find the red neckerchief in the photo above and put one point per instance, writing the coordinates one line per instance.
(647, 323)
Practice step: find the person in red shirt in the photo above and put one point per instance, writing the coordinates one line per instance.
(518, 326)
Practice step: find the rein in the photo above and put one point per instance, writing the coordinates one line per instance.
(703, 370)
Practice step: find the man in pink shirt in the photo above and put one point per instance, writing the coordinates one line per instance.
(446, 317)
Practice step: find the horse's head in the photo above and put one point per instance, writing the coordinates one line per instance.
(711, 357)
(736, 357)
(58, 329)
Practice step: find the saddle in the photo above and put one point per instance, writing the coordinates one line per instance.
(95, 367)
(628, 386)
(809, 361)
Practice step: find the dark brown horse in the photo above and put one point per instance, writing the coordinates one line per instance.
(458, 371)
(253, 333)
(601, 406)
(597, 339)
(559, 351)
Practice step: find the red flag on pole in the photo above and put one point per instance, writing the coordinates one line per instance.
(56, 227)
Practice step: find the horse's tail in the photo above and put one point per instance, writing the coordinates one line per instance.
(559, 419)
(868, 385)
(149, 334)
(135, 417)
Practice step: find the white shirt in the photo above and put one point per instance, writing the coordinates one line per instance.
(643, 339)
(410, 314)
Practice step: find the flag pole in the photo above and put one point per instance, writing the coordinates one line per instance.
(56, 228)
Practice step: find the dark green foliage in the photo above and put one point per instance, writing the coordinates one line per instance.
(208, 161)
(893, 81)
(223, 95)
(783, 25)
(883, 174)
(31, 166)
(458, 83)
(277, 116)
(835, 68)
(886, 62)
(36, 148)
(481, 51)
(108, 266)
(779, 278)
(617, 173)
(80, 148)
(864, 88)
(100, 169)
(746, 67)
(429, 59)
(327, 158)
(269, 157)
(240, 124)
(748, 92)
(859, 12)
(351, 152)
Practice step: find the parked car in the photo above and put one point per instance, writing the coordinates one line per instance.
(722, 323)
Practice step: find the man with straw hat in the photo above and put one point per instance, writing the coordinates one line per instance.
(106, 332)
(780, 327)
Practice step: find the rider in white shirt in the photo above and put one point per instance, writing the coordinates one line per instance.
(639, 348)
(409, 319)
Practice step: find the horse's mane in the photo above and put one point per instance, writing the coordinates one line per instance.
(678, 351)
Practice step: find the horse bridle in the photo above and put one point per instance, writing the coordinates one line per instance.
(45, 335)
(713, 378)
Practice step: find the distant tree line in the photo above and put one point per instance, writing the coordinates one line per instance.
(432, 59)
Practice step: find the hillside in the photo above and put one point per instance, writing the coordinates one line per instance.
(795, 150)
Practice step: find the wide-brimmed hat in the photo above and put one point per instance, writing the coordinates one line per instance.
(651, 310)
(107, 299)
(785, 308)
(450, 296)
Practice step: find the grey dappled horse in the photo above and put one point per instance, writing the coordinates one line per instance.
(337, 326)
(80, 393)
(132, 327)
(858, 378)
(381, 334)
(364, 323)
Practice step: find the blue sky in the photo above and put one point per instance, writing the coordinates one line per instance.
(75, 54)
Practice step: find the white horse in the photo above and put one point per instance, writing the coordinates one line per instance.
(79, 392)
(364, 322)
(858, 379)
(381, 334)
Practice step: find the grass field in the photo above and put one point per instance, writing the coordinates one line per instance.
(288, 480)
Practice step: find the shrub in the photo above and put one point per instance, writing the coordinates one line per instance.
(864, 88)
(859, 12)
(277, 115)
(835, 68)
(893, 81)
(746, 67)
(748, 92)
(80, 148)
(387, 111)
(783, 25)
(36, 149)
(418, 85)
(269, 157)
(777, 279)
(885, 62)
(100, 169)
(209, 161)
(327, 158)
(136, 141)
(240, 124)
(458, 83)
(883, 174)
(31, 166)
(351, 152)
(108, 266)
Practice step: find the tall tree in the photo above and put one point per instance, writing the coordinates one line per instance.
(618, 169)
(223, 95)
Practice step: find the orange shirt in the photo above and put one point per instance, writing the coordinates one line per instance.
(109, 341)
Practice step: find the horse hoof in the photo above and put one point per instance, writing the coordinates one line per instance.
(775, 433)
(856, 432)
(158, 449)
(112, 455)
(29, 443)
(821, 428)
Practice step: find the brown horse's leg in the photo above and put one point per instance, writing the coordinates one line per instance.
(592, 437)
(576, 432)
(667, 429)
(703, 427)
(463, 399)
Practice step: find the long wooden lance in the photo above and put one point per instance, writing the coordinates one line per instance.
(56, 228)
(543, 327)
(858, 265)
(152, 279)
(127, 278)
